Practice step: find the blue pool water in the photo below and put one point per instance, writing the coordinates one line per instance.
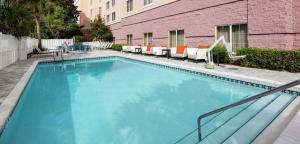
(114, 101)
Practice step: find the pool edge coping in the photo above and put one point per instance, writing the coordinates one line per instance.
(273, 131)
(9, 103)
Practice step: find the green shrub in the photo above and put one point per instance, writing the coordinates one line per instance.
(78, 39)
(117, 47)
(223, 55)
(273, 59)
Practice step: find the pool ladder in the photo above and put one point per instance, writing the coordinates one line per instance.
(61, 56)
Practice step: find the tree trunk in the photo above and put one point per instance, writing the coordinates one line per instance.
(38, 30)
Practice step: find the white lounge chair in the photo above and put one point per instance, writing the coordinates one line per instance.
(179, 52)
(126, 49)
(199, 53)
(158, 51)
(147, 50)
(132, 48)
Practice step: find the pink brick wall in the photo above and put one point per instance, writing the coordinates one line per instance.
(296, 18)
(269, 21)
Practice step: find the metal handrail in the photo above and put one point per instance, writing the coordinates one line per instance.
(272, 91)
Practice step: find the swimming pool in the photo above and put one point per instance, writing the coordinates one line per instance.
(118, 100)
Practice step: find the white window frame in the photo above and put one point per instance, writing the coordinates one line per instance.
(113, 16)
(107, 5)
(128, 5)
(147, 2)
(113, 3)
(176, 37)
(147, 34)
(230, 32)
(131, 39)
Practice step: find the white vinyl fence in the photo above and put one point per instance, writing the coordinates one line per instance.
(54, 43)
(96, 45)
(13, 49)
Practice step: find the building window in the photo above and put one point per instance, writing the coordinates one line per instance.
(91, 13)
(223, 31)
(107, 18)
(176, 38)
(148, 38)
(237, 35)
(113, 2)
(129, 5)
(107, 5)
(146, 2)
(113, 16)
(129, 39)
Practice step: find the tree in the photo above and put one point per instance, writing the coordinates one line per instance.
(35, 7)
(39, 18)
(58, 22)
(15, 19)
(100, 31)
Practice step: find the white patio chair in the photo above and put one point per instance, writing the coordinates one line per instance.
(158, 51)
(179, 52)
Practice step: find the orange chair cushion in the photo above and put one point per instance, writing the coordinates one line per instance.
(149, 47)
(180, 49)
(203, 46)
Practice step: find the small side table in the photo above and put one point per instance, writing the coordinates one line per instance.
(168, 52)
(138, 50)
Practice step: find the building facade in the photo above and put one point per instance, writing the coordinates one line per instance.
(89, 10)
(244, 23)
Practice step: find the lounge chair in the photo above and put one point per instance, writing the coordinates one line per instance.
(132, 48)
(48, 51)
(158, 51)
(199, 53)
(179, 52)
(126, 49)
(147, 50)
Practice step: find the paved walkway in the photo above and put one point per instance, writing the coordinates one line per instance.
(10, 75)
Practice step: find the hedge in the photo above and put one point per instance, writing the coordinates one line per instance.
(223, 55)
(117, 47)
(273, 59)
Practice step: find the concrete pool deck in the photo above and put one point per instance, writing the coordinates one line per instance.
(11, 75)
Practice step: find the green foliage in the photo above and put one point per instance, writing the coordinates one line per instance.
(221, 50)
(273, 59)
(56, 18)
(15, 20)
(78, 39)
(58, 24)
(99, 31)
(117, 47)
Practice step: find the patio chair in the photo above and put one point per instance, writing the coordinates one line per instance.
(179, 52)
(132, 48)
(48, 51)
(158, 51)
(199, 53)
(147, 50)
(126, 49)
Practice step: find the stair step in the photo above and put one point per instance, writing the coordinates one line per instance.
(215, 120)
(237, 121)
(260, 121)
(218, 121)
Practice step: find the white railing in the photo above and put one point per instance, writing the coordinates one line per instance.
(13, 49)
(220, 40)
(96, 45)
(54, 43)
